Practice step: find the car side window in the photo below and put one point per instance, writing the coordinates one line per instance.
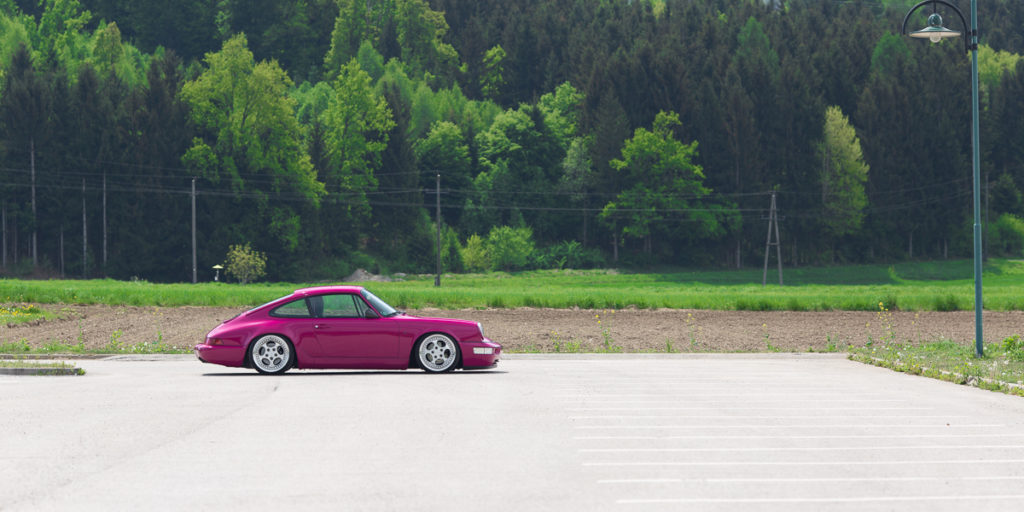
(340, 306)
(293, 309)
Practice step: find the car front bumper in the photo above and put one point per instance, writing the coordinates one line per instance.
(479, 355)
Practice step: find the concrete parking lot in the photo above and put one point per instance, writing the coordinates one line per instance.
(716, 432)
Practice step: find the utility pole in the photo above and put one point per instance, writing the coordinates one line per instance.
(5, 234)
(437, 279)
(194, 267)
(85, 236)
(773, 222)
(32, 164)
(104, 223)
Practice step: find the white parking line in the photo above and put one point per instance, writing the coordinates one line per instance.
(852, 436)
(795, 425)
(864, 499)
(752, 408)
(805, 463)
(783, 396)
(801, 449)
(704, 399)
(806, 480)
(763, 417)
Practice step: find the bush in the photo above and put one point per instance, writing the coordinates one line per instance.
(569, 254)
(1006, 235)
(245, 264)
(474, 255)
(509, 248)
(505, 248)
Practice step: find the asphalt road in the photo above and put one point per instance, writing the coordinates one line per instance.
(722, 432)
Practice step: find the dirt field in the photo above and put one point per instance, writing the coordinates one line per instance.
(541, 329)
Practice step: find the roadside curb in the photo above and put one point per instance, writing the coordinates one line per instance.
(41, 371)
(47, 357)
(950, 377)
(104, 357)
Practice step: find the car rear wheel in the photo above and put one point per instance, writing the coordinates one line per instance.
(437, 353)
(271, 354)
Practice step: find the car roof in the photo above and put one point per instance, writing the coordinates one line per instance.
(321, 290)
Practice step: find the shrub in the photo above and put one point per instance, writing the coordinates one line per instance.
(245, 264)
(474, 255)
(509, 248)
(568, 254)
(1006, 235)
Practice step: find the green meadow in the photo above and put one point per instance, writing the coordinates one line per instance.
(914, 286)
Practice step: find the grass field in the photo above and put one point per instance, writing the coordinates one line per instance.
(919, 286)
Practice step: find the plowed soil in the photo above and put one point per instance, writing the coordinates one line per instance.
(550, 330)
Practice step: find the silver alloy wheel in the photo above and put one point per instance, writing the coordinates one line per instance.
(438, 353)
(271, 354)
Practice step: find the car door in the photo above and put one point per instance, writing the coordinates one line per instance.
(344, 331)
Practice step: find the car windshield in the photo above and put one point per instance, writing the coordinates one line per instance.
(382, 307)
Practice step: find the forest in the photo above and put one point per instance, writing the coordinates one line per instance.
(328, 134)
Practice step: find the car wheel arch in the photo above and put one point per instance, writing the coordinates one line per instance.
(248, 347)
(413, 363)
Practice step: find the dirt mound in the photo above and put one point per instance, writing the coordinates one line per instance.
(364, 276)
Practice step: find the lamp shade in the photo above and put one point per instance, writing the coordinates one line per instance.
(935, 32)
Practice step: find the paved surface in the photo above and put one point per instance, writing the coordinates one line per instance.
(603, 433)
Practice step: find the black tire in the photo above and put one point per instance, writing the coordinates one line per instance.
(436, 353)
(271, 354)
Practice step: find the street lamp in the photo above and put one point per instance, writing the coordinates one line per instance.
(935, 32)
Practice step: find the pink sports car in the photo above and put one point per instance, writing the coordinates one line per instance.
(345, 327)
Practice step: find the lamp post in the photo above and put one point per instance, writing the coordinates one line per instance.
(935, 32)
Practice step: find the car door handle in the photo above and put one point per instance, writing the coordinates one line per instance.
(316, 326)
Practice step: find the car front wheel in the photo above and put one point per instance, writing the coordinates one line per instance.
(437, 353)
(271, 354)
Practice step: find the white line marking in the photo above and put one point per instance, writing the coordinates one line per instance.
(647, 427)
(866, 499)
(802, 449)
(788, 417)
(741, 408)
(830, 397)
(854, 436)
(646, 481)
(863, 479)
(805, 480)
(734, 403)
(807, 463)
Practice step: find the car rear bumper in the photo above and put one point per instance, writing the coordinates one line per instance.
(219, 354)
(479, 355)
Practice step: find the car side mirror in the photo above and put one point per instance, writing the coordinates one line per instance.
(371, 315)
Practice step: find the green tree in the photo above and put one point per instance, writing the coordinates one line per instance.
(350, 30)
(245, 264)
(509, 248)
(665, 185)
(250, 141)
(561, 110)
(444, 151)
(843, 175)
(356, 124)
(58, 38)
(26, 107)
(492, 79)
(421, 31)
(521, 159)
(993, 64)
